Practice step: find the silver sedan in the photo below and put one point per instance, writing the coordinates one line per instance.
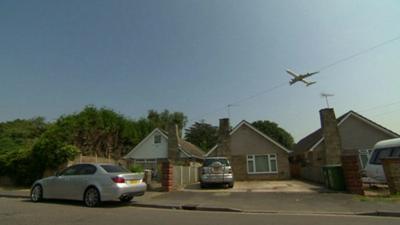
(91, 183)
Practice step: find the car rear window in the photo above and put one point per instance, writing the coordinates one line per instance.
(208, 162)
(114, 169)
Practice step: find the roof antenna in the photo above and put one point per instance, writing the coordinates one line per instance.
(326, 95)
(228, 108)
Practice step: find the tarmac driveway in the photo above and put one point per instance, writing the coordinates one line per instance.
(289, 186)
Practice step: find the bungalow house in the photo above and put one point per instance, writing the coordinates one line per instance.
(356, 134)
(160, 146)
(253, 155)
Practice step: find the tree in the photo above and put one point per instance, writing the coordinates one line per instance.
(93, 131)
(16, 140)
(203, 135)
(163, 119)
(29, 147)
(275, 132)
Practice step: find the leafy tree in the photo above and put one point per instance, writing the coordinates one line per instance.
(53, 149)
(28, 147)
(162, 119)
(16, 140)
(100, 132)
(275, 132)
(203, 135)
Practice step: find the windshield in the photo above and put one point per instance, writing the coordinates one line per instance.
(208, 162)
(114, 169)
(379, 154)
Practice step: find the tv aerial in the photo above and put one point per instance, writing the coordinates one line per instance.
(326, 95)
(228, 107)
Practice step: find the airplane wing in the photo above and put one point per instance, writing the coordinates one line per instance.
(304, 81)
(309, 74)
(292, 73)
(308, 83)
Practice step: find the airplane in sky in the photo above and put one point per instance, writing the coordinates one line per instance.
(301, 77)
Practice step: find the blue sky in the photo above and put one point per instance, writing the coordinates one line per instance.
(197, 57)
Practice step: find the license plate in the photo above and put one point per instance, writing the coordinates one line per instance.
(133, 181)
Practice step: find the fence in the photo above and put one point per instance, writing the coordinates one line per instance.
(95, 159)
(184, 175)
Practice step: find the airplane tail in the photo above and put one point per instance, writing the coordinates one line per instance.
(310, 83)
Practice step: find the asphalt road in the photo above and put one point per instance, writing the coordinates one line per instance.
(18, 211)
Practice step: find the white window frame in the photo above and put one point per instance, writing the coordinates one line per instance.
(156, 136)
(145, 161)
(254, 163)
(366, 152)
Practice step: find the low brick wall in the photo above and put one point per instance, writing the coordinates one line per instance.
(391, 166)
(352, 174)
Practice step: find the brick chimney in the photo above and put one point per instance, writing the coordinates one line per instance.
(173, 142)
(224, 138)
(330, 132)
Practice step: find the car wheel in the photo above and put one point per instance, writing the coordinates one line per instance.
(230, 185)
(91, 197)
(203, 185)
(37, 193)
(126, 199)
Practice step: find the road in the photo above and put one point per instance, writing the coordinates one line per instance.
(18, 211)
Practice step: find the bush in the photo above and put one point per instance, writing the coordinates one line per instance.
(136, 169)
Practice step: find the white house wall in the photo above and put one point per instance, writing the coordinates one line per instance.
(150, 150)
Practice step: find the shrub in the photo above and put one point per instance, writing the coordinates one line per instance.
(136, 169)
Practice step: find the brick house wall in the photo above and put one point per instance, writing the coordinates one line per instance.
(355, 134)
(246, 141)
(239, 166)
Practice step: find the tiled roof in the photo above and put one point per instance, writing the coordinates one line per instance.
(188, 147)
(309, 141)
(191, 149)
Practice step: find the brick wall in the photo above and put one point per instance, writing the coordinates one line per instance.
(173, 138)
(332, 141)
(223, 138)
(167, 176)
(391, 166)
(352, 174)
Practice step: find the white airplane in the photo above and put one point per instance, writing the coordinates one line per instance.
(300, 77)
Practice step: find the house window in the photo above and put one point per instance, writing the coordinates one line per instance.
(148, 164)
(157, 139)
(364, 155)
(262, 163)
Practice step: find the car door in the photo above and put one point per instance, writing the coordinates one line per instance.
(62, 187)
(81, 180)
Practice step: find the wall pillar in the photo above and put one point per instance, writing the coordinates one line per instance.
(167, 181)
(391, 166)
(352, 174)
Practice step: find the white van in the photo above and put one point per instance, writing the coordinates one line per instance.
(382, 149)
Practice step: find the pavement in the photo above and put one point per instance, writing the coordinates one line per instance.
(19, 211)
(314, 200)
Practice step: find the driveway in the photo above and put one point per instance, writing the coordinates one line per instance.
(285, 186)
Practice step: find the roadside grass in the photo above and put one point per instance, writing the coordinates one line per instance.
(378, 194)
(388, 198)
